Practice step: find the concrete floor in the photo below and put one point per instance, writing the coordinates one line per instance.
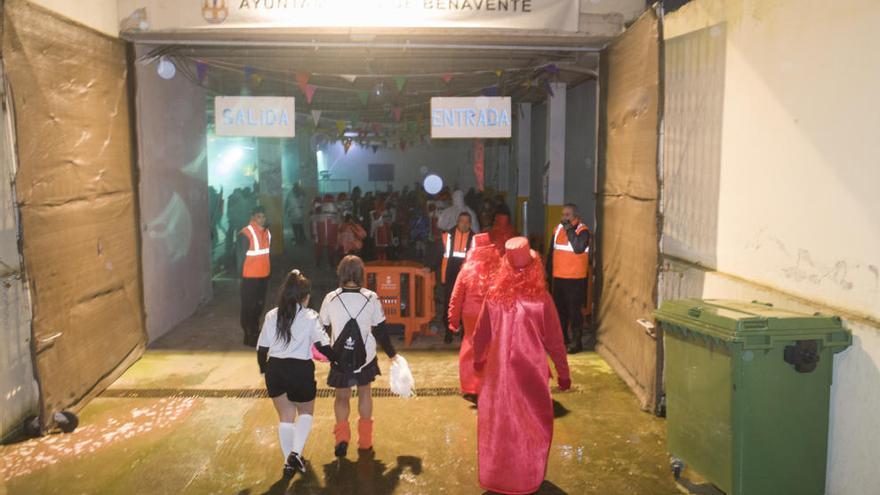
(190, 417)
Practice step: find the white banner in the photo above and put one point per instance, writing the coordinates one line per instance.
(542, 15)
(261, 116)
(470, 117)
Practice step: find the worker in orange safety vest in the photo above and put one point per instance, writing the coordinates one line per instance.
(568, 264)
(456, 243)
(252, 261)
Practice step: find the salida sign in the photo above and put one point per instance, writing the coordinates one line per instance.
(261, 116)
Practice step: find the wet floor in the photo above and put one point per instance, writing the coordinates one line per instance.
(191, 417)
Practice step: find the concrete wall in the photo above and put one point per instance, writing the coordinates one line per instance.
(451, 159)
(779, 174)
(101, 15)
(173, 198)
(580, 149)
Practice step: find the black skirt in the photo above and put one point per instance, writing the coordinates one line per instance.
(366, 376)
(294, 377)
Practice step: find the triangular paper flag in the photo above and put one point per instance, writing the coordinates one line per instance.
(258, 79)
(400, 81)
(316, 116)
(447, 77)
(498, 73)
(346, 144)
(340, 126)
(248, 73)
(310, 92)
(364, 96)
(349, 77)
(375, 148)
(302, 79)
(396, 111)
(201, 70)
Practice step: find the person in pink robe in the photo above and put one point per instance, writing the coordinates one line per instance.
(467, 298)
(516, 330)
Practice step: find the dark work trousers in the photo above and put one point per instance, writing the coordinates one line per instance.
(570, 295)
(253, 297)
(299, 234)
(453, 268)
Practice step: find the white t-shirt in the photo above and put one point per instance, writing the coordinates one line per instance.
(305, 331)
(333, 314)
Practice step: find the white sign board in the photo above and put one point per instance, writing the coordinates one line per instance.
(164, 15)
(261, 116)
(471, 117)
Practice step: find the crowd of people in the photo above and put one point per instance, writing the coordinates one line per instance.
(392, 225)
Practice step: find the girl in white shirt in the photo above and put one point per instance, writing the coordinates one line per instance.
(354, 348)
(284, 353)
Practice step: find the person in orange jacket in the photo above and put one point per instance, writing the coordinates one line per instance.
(568, 265)
(253, 265)
(467, 299)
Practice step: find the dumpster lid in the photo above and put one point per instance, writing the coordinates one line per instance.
(735, 320)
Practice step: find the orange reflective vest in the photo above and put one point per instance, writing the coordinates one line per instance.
(455, 247)
(566, 263)
(256, 263)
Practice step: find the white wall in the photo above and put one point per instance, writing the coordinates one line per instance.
(450, 159)
(777, 165)
(173, 198)
(101, 15)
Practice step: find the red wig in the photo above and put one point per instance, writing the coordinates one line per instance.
(510, 284)
(480, 268)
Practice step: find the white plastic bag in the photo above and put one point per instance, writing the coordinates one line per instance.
(402, 381)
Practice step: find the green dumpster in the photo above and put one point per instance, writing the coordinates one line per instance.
(747, 392)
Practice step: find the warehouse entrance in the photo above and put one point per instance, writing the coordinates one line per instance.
(363, 127)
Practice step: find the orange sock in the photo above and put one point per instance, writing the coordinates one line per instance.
(365, 433)
(342, 430)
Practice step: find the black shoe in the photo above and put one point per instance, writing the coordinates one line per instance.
(472, 398)
(288, 472)
(341, 449)
(297, 462)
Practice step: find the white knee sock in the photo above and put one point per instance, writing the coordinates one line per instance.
(287, 437)
(303, 426)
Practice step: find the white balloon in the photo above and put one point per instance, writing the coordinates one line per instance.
(433, 184)
(166, 68)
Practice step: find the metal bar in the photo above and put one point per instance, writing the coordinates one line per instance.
(332, 44)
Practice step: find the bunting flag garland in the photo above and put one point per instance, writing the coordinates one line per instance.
(400, 81)
(375, 148)
(257, 79)
(396, 111)
(346, 144)
(310, 92)
(499, 72)
(340, 127)
(201, 70)
(302, 79)
(364, 96)
(548, 88)
(248, 73)
(349, 77)
(551, 69)
(447, 77)
(316, 116)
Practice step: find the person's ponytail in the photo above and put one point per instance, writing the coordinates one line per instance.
(294, 291)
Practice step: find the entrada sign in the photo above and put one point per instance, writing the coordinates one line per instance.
(183, 15)
(470, 117)
(261, 116)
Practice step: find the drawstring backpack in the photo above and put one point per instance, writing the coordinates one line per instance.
(349, 348)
